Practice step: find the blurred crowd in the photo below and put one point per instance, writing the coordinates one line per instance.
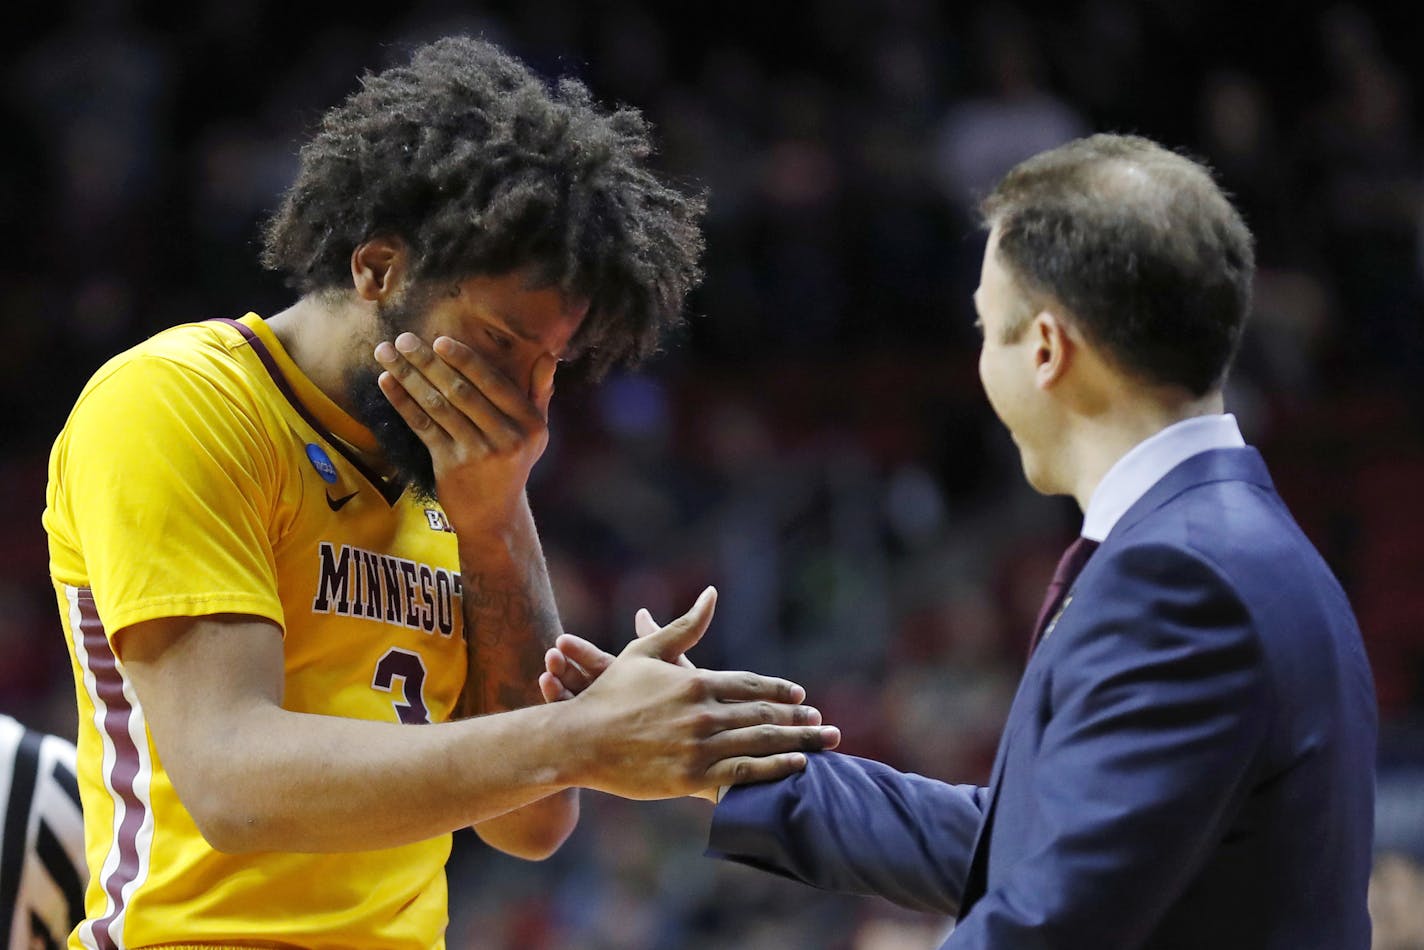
(814, 442)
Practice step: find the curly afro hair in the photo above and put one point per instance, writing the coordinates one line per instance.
(482, 167)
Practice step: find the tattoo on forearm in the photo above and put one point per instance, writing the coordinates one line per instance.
(507, 628)
(496, 612)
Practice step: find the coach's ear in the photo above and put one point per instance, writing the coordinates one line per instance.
(1054, 347)
(378, 267)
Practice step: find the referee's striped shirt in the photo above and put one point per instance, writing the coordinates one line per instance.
(42, 871)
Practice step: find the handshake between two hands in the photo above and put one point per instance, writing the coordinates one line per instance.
(706, 729)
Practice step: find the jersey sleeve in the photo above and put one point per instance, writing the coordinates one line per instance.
(166, 483)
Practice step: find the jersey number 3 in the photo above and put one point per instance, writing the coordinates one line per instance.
(409, 668)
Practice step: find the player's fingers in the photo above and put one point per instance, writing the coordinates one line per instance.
(742, 769)
(644, 625)
(587, 659)
(770, 739)
(425, 407)
(434, 436)
(566, 673)
(740, 686)
(555, 662)
(473, 397)
(682, 634)
(450, 399)
(552, 689)
(761, 713)
(544, 369)
(503, 394)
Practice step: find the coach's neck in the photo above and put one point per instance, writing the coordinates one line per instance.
(1106, 412)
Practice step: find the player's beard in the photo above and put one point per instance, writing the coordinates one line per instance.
(402, 449)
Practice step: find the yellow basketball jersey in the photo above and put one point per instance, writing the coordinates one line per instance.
(201, 473)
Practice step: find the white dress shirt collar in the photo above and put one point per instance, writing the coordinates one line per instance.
(1145, 464)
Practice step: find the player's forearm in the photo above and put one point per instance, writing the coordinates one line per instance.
(510, 620)
(298, 782)
(509, 614)
(535, 831)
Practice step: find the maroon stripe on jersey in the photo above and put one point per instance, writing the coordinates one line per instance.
(390, 490)
(118, 717)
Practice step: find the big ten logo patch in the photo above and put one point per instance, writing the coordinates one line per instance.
(352, 582)
(437, 520)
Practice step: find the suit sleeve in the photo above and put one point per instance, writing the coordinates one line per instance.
(855, 826)
(1160, 705)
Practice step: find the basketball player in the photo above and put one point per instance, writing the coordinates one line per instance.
(42, 870)
(298, 572)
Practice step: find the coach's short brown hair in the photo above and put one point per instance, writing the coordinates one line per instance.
(1140, 246)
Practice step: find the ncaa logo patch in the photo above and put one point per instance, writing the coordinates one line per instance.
(321, 462)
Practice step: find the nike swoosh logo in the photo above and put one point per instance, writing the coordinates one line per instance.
(335, 504)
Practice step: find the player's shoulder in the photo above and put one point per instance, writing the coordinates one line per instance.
(200, 346)
(204, 360)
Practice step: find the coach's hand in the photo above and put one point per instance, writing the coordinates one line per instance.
(483, 431)
(652, 727)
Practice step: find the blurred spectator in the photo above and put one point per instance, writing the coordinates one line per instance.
(1397, 885)
(1397, 902)
(984, 136)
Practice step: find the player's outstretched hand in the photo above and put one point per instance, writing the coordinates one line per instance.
(657, 727)
(573, 662)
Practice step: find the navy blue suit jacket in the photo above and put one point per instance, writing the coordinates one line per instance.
(1188, 762)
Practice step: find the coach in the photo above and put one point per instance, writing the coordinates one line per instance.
(1189, 760)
